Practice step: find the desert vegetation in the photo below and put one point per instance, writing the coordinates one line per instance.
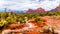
(10, 20)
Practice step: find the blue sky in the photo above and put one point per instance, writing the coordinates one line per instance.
(28, 4)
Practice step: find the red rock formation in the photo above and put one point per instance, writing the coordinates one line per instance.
(38, 10)
(30, 11)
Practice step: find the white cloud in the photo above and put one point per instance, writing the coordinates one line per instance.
(26, 4)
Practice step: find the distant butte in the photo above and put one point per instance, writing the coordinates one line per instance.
(38, 10)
